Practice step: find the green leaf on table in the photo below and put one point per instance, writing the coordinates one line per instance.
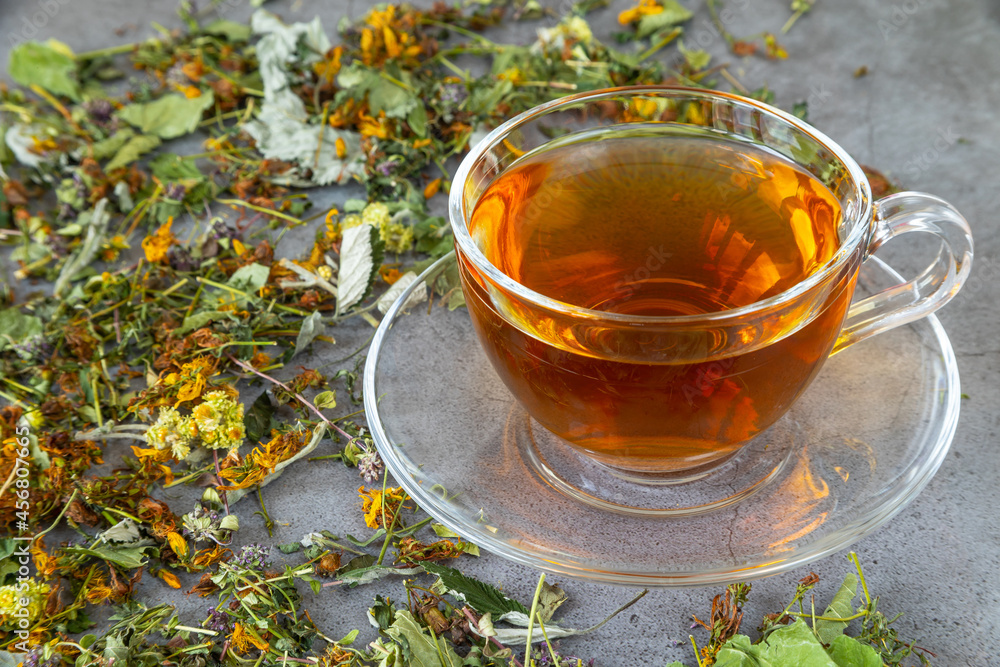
(417, 120)
(257, 420)
(738, 652)
(231, 30)
(173, 115)
(133, 149)
(125, 531)
(172, 167)
(849, 652)
(51, 65)
(840, 607)
(124, 556)
(105, 148)
(420, 648)
(672, 14)
(249, 278)
(393, 99)
(697, 59)
(326, 400)
(16, 327)
(364, 570)
(312, 327)
(198, 320)
(793, 644)
(384, 95)
(481, 597)
(361, 254)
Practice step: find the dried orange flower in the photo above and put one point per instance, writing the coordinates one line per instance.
(378, 506)
(644, 8)
(157, 245)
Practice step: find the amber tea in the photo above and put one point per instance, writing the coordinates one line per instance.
(652, 226)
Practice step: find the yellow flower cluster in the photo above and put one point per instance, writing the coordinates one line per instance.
(220, 421)
(172, 431)
(11, 599)
(217, 423)
(397, 236)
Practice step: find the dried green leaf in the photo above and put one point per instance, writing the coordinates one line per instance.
(173, 115)
(325, 400)
(312, 326)
(51, 65)
(105, 148)
(133, 149)
(673, 13)
(697, 59)
(249, 278)
(420, 648)
(231, 30)
(205, 317)
(16, 327)
(478, 595)
(841, 607)
(257, 420)
(129, 558)
(849, 652)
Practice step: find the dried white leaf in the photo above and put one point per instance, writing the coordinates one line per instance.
(357, 265)
(281, 129)
(21, 139)
(418, 295)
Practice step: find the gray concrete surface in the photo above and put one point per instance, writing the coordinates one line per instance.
(934, 68)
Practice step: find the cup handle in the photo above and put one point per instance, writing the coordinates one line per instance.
(900, 214)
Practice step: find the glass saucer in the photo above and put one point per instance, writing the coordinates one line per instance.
(860, 443)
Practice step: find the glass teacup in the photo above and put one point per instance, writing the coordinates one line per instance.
(613, 361)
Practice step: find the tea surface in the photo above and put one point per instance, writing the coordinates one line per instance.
(656, 226)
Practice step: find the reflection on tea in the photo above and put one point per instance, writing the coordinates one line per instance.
(654, 226)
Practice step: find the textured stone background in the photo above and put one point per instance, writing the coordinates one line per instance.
(934, 68)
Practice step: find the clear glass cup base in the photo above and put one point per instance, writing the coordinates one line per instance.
(694, 491)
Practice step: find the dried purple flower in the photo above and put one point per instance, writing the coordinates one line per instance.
(181, 260)
(453, 93)
(369, 463)
(175, 191)
(34, 349)
(254, 557)
(218, 621)
(100, 110)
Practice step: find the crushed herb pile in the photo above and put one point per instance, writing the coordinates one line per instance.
(152, 314)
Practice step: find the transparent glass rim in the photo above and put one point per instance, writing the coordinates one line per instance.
(459, 214)
(861, 526)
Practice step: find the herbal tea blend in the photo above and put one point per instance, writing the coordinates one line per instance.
(169, 339)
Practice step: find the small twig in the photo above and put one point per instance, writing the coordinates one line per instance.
(297, 396)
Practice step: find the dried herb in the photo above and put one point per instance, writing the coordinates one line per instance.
(805, 638)
(164, 336)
